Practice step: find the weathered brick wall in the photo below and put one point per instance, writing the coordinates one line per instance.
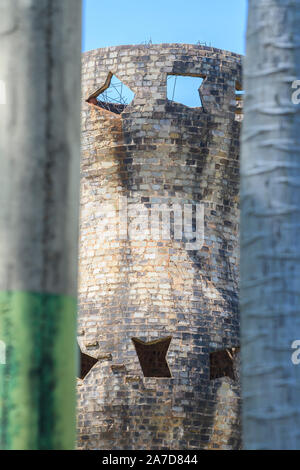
(158, 151)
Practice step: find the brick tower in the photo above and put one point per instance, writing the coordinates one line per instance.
(159, 314)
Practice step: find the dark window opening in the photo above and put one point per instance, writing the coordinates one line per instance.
(222, 363)
(185, 90)
(114, 95)
(86, 364)
(152, 356)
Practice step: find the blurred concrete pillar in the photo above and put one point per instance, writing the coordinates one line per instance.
(39, 195)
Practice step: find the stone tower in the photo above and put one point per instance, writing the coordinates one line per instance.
(159, 313)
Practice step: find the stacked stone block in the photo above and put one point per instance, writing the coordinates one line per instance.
(136, 286)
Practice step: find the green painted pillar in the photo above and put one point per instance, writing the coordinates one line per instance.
(39, 196)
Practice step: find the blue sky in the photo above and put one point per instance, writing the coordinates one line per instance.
(220, 23)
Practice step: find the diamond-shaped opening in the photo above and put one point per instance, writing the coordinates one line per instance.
(86, 364)
(222, 363)
(114, 95)
(152, 356)
(185, 89)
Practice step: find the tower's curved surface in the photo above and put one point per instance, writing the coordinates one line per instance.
(146, 298)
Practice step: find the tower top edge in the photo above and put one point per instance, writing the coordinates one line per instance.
(162, 46)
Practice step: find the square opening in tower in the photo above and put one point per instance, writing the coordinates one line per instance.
(239, 97)
(185, 89)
